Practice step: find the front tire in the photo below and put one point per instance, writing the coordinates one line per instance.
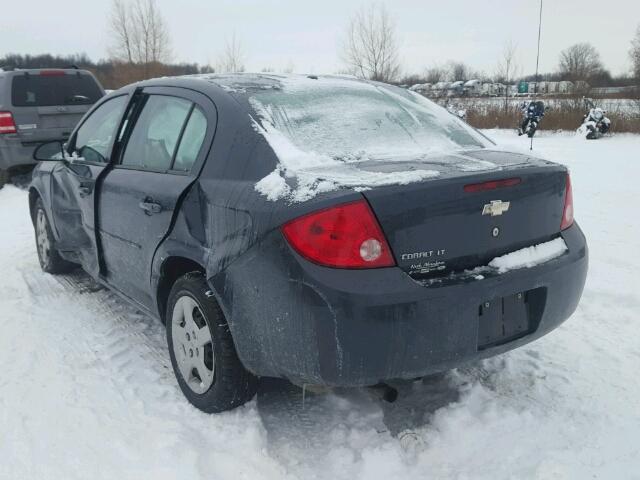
(202, 351)
(50, 259)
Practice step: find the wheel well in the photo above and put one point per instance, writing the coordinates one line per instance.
(172, 269)
(33, 198)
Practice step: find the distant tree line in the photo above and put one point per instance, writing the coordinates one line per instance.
(140, 48)
(371, 50)
(111, 73)
(578, 62)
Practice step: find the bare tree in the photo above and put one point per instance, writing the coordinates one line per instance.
(459, 71)
(371, 47)
(507, 68)
(121, 30)
(232, 57)
(635, 54)
(139, 33)
(289, 68)
(435, 74)
(580, 62)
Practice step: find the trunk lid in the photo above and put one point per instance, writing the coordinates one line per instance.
(437, 226)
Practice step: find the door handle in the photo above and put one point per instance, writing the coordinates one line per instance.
(150, 207)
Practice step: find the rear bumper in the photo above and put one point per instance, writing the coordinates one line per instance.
(13, 153)
(316, 325)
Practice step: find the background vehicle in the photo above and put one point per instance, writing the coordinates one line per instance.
(40, 105)
(197, 200)
(595, 123)
(533, 112)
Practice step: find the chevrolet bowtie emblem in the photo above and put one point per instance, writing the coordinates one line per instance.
(495, 208)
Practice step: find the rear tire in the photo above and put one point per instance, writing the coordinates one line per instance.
(50, 259)
(202, 351)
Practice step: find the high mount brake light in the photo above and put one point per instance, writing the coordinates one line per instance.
(52, 73)
(7, 125)
(491, 185)
(344, 236)
(567, 213)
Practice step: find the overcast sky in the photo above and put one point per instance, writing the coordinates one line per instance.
(307, 34)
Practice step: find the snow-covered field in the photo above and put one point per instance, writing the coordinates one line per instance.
(87, 391)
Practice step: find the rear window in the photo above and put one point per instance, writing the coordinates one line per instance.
(348, 120)
(34, 90)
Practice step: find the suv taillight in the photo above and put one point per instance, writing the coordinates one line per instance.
(7, 124)
(567, 213)
(344, 236)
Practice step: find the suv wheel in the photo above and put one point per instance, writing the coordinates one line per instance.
(203, 355)
(50, 259)
(4, 177)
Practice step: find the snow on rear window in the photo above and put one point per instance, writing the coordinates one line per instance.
(322, 129)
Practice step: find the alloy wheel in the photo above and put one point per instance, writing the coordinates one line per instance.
(192, 345)
(42, 237)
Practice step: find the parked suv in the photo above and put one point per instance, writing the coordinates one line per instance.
(326, 230)
(40, 105)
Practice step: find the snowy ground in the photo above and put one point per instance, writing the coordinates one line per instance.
(87, 391)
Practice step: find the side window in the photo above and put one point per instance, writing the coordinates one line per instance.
(96, 134)
(155, 135)
(191, 141)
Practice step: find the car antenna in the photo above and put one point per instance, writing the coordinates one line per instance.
(535, 88)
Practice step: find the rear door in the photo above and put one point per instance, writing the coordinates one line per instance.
(47, 104)
(138, 197)
(73, 182)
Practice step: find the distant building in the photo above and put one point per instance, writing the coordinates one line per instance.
(565, 87)
(614, 90)
(440, 88)
(473, 87)
(489, 90)
(523, 87)
(421, 88)
(456, 89)
(581, 87)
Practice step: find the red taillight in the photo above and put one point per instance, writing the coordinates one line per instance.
(345, 236)
(492, 185)
(7, 125)
(567, 213)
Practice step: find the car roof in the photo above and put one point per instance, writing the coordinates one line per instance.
(37, 71)
(244, 84)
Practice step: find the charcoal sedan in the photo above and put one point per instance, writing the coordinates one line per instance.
(321, 229)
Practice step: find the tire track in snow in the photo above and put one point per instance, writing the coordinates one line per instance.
(112, 334)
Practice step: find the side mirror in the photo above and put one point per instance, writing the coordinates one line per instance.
(49, 151)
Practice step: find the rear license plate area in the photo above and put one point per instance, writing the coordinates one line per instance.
(505, 319)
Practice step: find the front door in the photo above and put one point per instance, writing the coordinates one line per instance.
(140, 194)
(73, 183)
